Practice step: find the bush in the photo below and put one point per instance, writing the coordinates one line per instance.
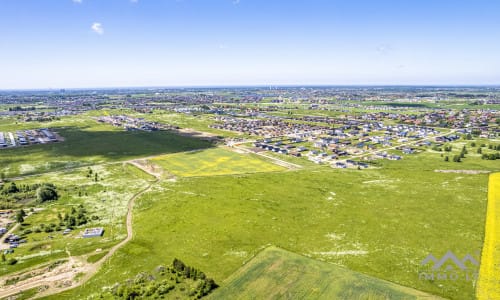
(46, 192)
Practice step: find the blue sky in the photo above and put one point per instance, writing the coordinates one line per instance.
(106, 43)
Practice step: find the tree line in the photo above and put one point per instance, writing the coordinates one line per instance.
(178, 277)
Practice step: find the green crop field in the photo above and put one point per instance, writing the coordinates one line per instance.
(211, 162)
(278, 274)
(371, 221)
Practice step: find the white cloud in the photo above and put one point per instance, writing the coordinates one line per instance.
(236, 2)
(384, 49)
(77, 1)
(97, 28)
(134, 1)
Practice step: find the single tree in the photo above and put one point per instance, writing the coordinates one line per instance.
(20, 216)
(46, 193)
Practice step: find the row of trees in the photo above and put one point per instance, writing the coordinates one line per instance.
(491, 156)
(457, 158)
(76, 217)
(43, 192)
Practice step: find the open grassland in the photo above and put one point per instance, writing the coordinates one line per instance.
(430, 160)
(105, 202)
(211, 162)
(489, 275)
(88, 142)
(278, 274)
(379, 222)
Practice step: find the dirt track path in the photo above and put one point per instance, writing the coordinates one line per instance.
(62, 278)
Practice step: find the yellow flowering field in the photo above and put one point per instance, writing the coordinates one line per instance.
(488, 286)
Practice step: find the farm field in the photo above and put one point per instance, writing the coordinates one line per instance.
(278, 274)
(371, 221)
(489, 278)
(213, 162)
(88, 142)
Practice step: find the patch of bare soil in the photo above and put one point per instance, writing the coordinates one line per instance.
(470, 172)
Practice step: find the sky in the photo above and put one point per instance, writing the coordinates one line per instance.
(52, 44)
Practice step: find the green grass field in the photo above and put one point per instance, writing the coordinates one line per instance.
(378, 222)
(199, 122)
(278, 274)
(212, 162)
(88, 142)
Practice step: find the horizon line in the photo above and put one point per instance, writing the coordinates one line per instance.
(235, 86)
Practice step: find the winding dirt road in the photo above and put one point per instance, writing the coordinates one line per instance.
(63, 277)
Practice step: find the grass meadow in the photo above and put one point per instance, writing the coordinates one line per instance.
(378, 222)
(107, 199)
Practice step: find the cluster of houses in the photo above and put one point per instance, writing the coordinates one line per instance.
(283, 146)
(133, 124)
(27, 137)
(267, 127)
(350, 137)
